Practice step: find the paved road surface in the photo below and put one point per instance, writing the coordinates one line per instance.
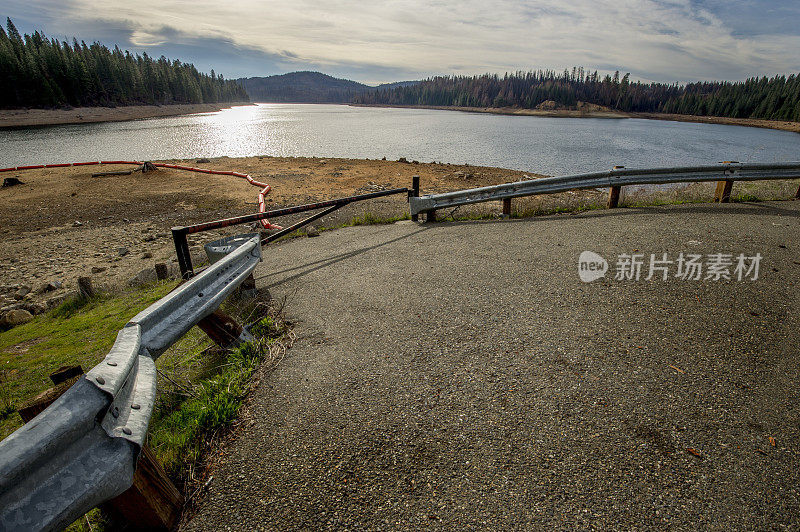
(461, 375)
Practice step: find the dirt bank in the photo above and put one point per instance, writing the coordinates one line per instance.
(591, 112)
(747, 122)
(63, 223)
(553, 113)
(81, 115)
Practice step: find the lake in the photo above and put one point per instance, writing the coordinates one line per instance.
(554, 146)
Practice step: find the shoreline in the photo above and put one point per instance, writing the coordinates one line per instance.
(780, 125)
(11, 118)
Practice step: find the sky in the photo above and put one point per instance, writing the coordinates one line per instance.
(397, 40)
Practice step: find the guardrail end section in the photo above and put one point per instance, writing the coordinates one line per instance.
(62, 463)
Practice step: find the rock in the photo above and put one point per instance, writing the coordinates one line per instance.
(144, 277)
(50, 286)
(147, 255)
(311, 231)
(98, 269)
(57, 300)
(34, 308)
(149, 238)
(23, 291)
(76, 223)
(11, 181)
(123, 251)
(12, 318)
(402, 160)
(203, 160)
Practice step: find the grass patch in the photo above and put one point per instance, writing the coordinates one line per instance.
(194, 407)
(200, 388)
(76, 332)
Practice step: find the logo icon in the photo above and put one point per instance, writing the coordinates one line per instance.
(591, 266)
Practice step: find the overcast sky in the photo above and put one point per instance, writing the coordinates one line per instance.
(375, 42)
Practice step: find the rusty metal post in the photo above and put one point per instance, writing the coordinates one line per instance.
(414, 193)
(506, 207)
(183, 253)
(430, 216)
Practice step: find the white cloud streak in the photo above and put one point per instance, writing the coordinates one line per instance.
(657, 40)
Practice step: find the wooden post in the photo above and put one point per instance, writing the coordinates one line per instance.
(614, 192)
(430, 217)
(85, 289)
(613, 197)
(723, 192)
(221, 328)
(152, 503)
(33, 407)
(506, 207)
(65, 373)
(162, 272)
(415, 193)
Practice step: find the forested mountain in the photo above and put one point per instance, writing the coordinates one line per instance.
(776, 98)
(41, 72)
(308, 87)
(302, 87)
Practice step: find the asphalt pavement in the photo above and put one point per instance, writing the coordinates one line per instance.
(463, 376)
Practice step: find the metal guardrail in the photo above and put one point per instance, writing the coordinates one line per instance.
(82, 450)
(612, 178)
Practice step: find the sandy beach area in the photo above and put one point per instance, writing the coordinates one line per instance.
(82, 115)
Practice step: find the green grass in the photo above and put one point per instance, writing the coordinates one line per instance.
(209, 402)
(76, 332)
(200, 388)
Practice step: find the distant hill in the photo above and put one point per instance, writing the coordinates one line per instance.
(308, 87)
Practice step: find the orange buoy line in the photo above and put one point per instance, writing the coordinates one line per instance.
(265, 188)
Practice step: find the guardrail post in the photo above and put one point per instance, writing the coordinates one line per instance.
(613, 196)
(182, 251)
(415, 194)
(614, 193)
(723, 192)
(430, 216)
(153, 502)
(223, 329)
(507, 207)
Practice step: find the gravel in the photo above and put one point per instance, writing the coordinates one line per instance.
(460, 375)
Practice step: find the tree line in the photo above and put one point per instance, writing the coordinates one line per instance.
(776, 98)
(42, 72)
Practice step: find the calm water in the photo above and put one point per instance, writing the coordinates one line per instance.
(555, 146)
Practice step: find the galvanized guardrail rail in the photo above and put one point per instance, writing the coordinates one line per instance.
(83, 449)
(725, 173)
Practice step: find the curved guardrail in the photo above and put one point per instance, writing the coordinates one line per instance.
(612, 178)
(82, 450)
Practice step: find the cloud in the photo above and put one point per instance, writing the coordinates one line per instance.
(664, 40)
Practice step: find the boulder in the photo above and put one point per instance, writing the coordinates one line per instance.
(23, 291)
(12, 318)
(50, 286)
